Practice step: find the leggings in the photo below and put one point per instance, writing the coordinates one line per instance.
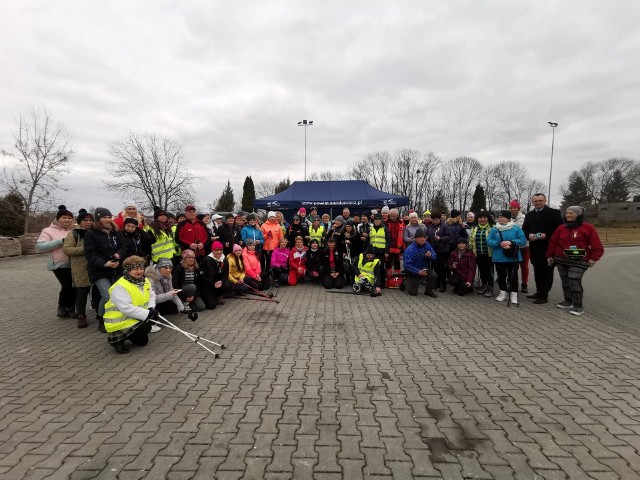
(67, 295)
(485, 268)
(507, 274)
(81, 300)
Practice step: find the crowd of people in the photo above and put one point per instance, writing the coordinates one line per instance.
(134, 270)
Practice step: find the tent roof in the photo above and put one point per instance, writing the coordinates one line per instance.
(327, 194)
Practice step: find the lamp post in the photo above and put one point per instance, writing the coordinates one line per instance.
(305, 124)
(553, 126)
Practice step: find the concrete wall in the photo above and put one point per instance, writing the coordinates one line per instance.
(622, 212)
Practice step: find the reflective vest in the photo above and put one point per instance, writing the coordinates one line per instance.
(176, 245)
(377, 237)
(368, 269)
(115, 320)
(163, 248)
(317, 234)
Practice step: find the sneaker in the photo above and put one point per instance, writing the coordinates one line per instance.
(513, 298)
(155, 328)
(565, 304)
(62, 312)
(576, 311)
(524, 288)
(533, 295)
(502, 296)
(482, 289)
(489, 292)
(120, 347)
(430, 293)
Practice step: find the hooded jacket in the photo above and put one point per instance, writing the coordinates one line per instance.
(51, 240)
(74, 248)
(99, 247)
(162, 286)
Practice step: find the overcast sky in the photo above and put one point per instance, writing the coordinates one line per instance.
(230, 80)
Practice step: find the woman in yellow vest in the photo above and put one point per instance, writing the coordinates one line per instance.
(130, 307)
(164, 246)
(367, 273)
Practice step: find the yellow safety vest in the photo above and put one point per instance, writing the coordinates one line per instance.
(114, 319)
(368, 269)
(176, 245)
(377, 237)
(164, 246)
(317, 234)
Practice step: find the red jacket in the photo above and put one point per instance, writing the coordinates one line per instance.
(396, 232)
(583, 236)
(466, 265)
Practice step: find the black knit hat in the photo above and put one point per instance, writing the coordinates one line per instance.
(455, 213)
(419, 233)
(102, 212)
(157, 211)
(130, 220)
(462, 240)
(505, 214)
(82, 214)
(62, 211)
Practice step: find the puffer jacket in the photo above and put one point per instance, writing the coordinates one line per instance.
(251, 263)
(510, 232)
(99, 247)
(236, 269)
(162, 286)
(51, 240)
(74, 248)
(273, 233)
(280, 257)
(465, 265)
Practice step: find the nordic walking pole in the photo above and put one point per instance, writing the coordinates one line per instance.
(193, 336)
(258, 292)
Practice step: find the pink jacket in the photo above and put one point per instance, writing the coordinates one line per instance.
(280, 257)
(51, 240)
(251, 263)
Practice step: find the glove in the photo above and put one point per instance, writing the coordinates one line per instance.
(153, 314)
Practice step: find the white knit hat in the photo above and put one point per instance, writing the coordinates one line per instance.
(385, 209)
(271, 214)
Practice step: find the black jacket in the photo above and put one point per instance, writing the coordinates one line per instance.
(177, 276)
(137, 243)
(545, 221)
(211, 272)
(314, 260)
(338, 262)
(228, 235)
(99, 247)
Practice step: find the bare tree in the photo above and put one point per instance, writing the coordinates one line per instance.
(427, 178)
(512, 178)
(492, 190)
(151, 170)
(463, 174)
(42, 150)
(265, 188)
(325, 176)
(373, 168)
(403, 173)
(532, 187)
(596, 175)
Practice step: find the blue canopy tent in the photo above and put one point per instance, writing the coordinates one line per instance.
(358, 195)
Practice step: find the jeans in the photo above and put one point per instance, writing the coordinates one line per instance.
(103, 285)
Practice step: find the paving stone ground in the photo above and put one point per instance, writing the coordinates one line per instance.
(321, 386)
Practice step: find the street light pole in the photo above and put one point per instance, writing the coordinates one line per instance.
(553, 126)
(305, 124)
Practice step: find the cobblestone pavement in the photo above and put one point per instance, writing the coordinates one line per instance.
(322, 386)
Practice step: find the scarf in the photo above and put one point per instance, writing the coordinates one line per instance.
(127, 274)
(505, 227)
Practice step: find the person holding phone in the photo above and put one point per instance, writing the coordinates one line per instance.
(104, 250)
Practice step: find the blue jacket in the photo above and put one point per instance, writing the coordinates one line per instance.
(513, 234)
(415, 260)
(250, 233)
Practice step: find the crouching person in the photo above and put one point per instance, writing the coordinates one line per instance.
(167, 299)
(367, 273)
(130, 307)
(462, 264)
(417, 263)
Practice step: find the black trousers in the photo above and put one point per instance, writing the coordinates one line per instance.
(67, 295)
(485, 269)
(412, 282)
(507, 276)
(543, 274)
(330, 282)
(441, 268)
(82, 293)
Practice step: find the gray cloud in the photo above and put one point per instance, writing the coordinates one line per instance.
(231, 80)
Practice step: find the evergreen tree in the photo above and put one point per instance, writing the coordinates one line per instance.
(248, 195)
(479, 201)
(283, 185)
(12, 214)
(439, 204)
(226, 202)
(576, 192)
(617, 189)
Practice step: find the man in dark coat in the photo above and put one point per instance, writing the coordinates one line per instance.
(539, 225)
